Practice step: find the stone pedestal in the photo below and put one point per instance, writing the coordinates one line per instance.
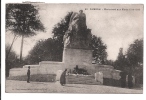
(77, 57)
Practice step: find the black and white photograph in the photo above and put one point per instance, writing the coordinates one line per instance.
(74, 48)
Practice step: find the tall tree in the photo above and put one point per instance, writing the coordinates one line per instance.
(120, 63)
(135, 59)
(135, 53)
(99, 49)
(23, 20)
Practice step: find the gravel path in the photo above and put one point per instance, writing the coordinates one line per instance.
(54, 87)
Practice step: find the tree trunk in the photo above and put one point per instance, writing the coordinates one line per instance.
(7, 55)
(21, 49)
(10, 47)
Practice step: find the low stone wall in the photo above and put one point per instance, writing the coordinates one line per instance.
(108, 71)
(22, 71)
(116, 74)
(31, 66)
(44, 67)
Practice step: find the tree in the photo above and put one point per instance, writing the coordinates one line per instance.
(135, 59)
(12, 61)
(61, 27)
(45, 50)
(22, 20)
(120, 63)
(99, 49)
(135, 53)
(110, 62)
(132, 61)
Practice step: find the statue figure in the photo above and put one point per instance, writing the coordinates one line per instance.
(82, 20)
(77, 36)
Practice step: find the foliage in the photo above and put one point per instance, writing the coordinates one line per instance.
(135, 53)
(110, 62)
(23, 19)
(99, 49)
(120, 63)
(135, 59)
(132, 61)
(52, 48)
(12, 61)
(61, 27)
(45, 50)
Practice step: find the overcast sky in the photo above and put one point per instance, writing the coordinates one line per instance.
(117, 28)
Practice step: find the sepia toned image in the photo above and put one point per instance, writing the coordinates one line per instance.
(74, 48)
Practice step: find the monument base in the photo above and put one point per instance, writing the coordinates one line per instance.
(79, 57)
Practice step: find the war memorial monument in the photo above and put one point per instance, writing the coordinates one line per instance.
(80, 48)
(77, 52)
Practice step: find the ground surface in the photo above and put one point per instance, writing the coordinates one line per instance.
(54, 87)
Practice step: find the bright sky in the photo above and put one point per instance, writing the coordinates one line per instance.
(117, 28)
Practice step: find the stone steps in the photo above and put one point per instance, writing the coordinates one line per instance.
(84, 82)
(81, 80)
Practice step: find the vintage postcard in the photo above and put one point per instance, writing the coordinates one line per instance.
(74, 48)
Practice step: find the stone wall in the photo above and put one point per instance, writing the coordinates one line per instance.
(32, 66)
(44, 67)
(22, 71)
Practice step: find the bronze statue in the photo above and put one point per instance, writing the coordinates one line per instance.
(77, 36)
